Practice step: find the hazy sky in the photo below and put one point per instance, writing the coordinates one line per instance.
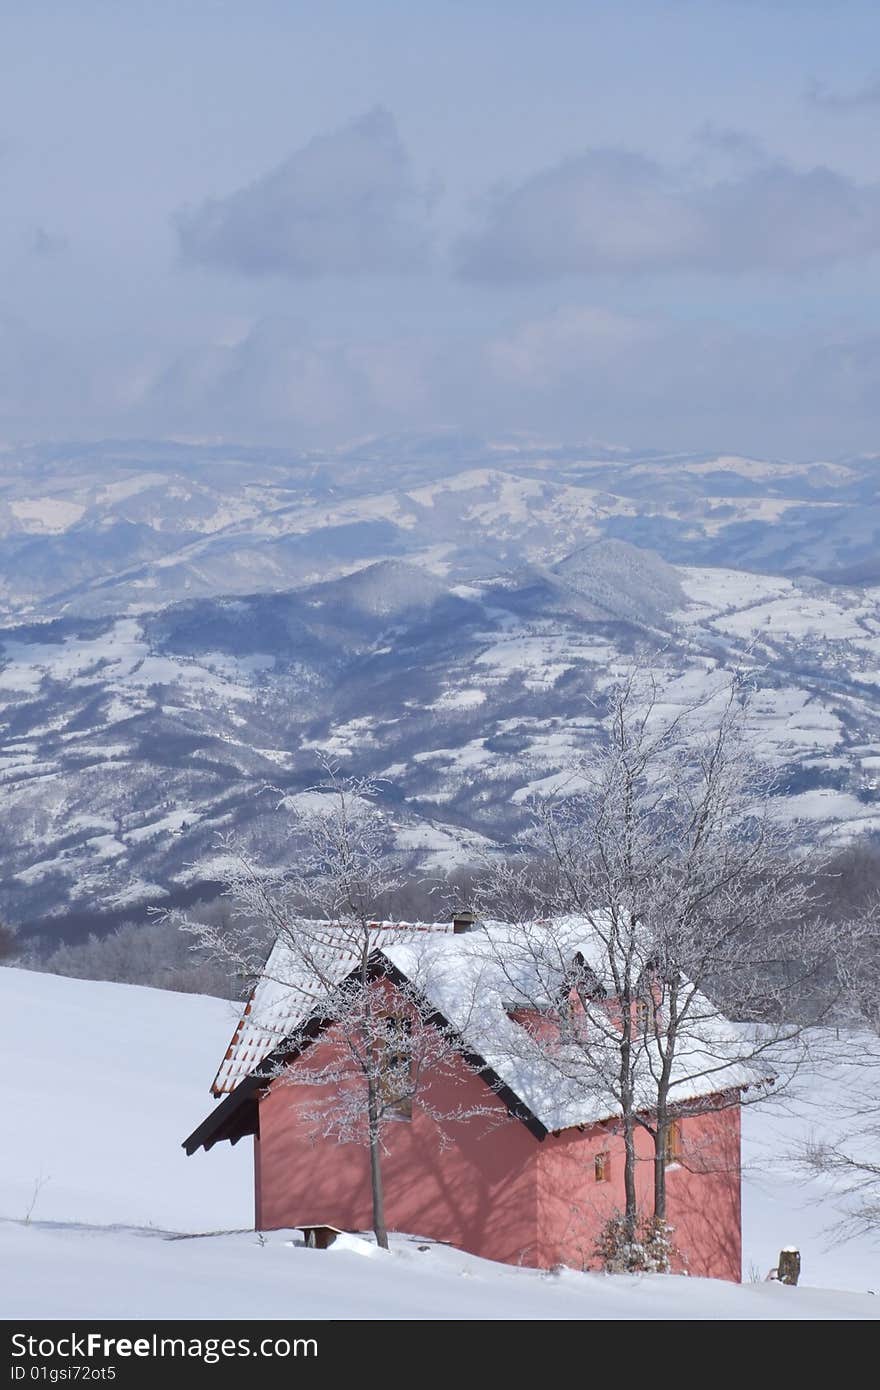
(652, 223)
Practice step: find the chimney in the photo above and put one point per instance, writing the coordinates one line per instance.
(463, 921)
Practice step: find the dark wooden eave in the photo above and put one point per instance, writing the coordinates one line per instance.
(238, 1114)
(232, 1119)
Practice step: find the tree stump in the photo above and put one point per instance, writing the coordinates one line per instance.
(789, 1267)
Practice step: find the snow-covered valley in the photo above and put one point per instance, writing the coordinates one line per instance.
(131, 744)
(185, 627)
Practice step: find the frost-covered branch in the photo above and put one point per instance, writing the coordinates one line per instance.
(366, 1044)
(664, 851)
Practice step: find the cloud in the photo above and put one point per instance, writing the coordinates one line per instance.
(584, 371)
(729, 139)
(565, 347)
(819, 94)
(578, 371)
(40, 374)
(43, 242)
(345, 204)
(612, 211)
(721, 155)
(842, 375)
(277, 381)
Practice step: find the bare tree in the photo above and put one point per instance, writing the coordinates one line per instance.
(325, 974)
(157, 953)
(851, 1160)
(657, 895)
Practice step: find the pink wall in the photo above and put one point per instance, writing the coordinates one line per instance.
(703, 1193)
(479, 1193)
(495, 1189)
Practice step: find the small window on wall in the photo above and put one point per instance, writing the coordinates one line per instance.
(602, 1167)
(672, 1144)
(395, 1063)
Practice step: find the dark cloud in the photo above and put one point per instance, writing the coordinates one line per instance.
(614, 211)
(345, 204)
(819, 94)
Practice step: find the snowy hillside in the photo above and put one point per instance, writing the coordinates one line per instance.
(185, 626)
(111, 528)
(131, 743)
(103, 1082)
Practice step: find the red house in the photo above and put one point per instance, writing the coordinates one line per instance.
(532, 1181)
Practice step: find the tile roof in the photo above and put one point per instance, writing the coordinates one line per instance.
(284, 996)
(475, 979)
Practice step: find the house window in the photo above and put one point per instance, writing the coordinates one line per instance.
(602, 1167)
(672, 1143)
(395, 1067)
(646, 1013)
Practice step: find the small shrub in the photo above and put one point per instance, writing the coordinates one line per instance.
(651, 1251)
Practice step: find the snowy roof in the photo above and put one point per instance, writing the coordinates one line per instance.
(476, 981)
(285, 995)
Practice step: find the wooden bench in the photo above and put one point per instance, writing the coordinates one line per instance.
(319, 1237)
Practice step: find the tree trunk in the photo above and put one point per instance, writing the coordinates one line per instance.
(660, 1167)
(631, 1211)
(379, 1227)
(664, 1082)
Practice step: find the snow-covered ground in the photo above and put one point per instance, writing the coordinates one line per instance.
(101, 1082)
(71, 1272)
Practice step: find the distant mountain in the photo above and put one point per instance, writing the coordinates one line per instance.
(115, 528)
(624, 582)
(385, 590)
(131, 742)
(184, 626)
